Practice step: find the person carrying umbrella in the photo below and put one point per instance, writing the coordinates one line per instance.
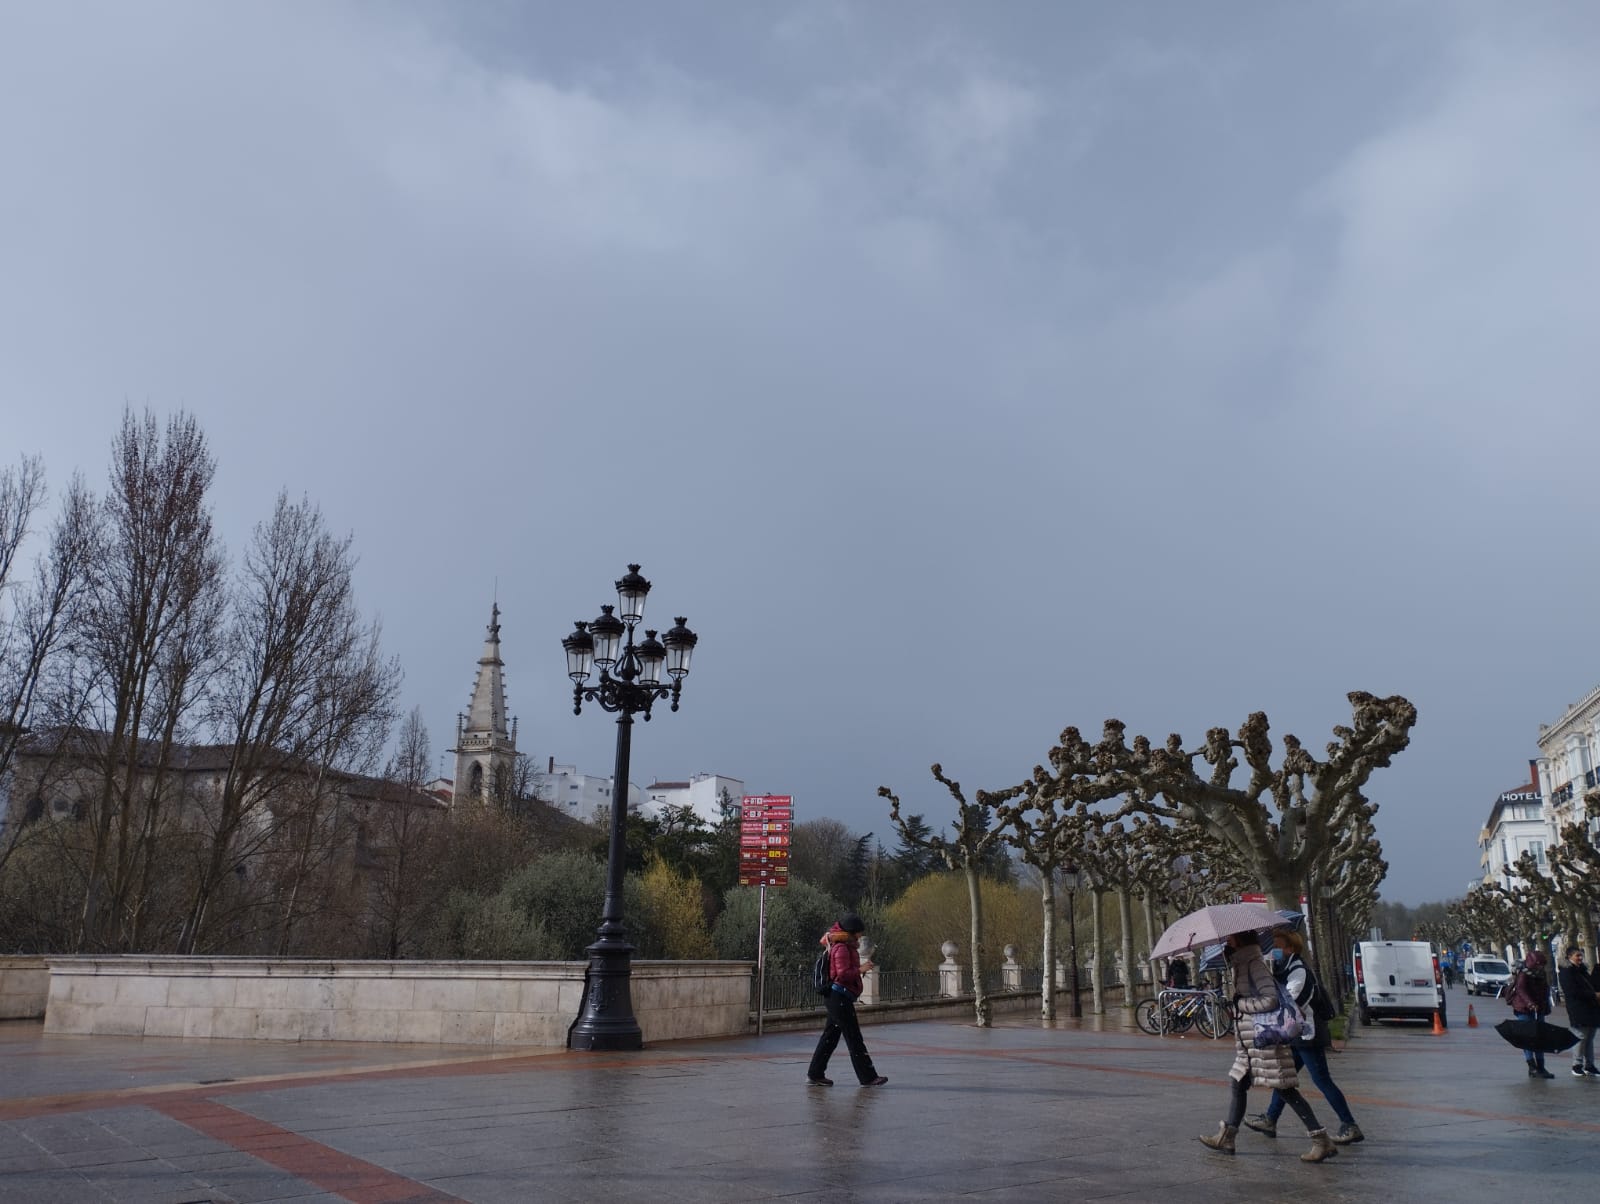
(1255, 993)
(1583, 1011)
(1528, 993)
(1309, 1049)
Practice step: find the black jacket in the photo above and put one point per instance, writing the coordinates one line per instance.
(1583, 1008)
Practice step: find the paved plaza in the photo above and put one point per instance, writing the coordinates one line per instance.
(1084, 1111)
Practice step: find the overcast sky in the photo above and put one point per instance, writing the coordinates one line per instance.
(961, 371)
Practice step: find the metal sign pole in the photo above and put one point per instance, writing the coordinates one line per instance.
(761, 962)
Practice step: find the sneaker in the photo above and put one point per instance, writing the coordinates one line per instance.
(1349, 1135)
(877, 1082)
(1592, 1071)
(1539, 1072)
(1262, 1123)
(822, 1082)
(1577, 1072)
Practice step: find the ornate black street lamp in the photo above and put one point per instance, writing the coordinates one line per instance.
(630, 682)
(1072, 879)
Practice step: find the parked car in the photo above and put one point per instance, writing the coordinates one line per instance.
(1398, 980)
(1486, 975)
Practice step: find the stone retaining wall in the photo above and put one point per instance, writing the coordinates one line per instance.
(428, 1002)
(24, 987)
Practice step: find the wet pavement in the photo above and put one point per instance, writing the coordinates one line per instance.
(1019, 1112)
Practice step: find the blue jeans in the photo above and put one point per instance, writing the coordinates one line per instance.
(1532, 1057)
(1315, 1063)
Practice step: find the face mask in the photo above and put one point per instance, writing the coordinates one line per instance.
(1278, 955)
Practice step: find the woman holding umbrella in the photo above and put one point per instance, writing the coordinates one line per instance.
(1255, 993)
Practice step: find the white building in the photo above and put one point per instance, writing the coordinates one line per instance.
(1568, 761)
(703, 793)
(1516, 825)
(579, 795)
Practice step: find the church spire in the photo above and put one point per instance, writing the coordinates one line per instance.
(486, 741)
(487, 715)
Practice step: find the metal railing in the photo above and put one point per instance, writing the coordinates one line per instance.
(791, 990)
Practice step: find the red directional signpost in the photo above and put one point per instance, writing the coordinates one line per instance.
(766, 823)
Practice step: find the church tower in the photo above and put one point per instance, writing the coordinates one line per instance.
(486, 742)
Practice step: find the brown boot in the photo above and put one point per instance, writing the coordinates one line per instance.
(1222, 1143)
(1322, 1148)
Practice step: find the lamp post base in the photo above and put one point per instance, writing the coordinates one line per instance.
(607, 1022)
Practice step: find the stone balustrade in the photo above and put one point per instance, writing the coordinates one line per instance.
(427, 1002)
(24, 987)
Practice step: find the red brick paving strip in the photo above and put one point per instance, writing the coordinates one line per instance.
(352, 1178)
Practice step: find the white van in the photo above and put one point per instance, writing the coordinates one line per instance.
(1398, 980)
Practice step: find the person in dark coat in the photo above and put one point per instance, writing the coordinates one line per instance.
(842, 941)
(1254, 995)
(1583, 1011)
(1310, 1049)
(1528, 993)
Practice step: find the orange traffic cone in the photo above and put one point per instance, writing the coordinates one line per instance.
(1472, 1017)
(1438, 1027)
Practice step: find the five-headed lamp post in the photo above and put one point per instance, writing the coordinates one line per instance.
(630, 682)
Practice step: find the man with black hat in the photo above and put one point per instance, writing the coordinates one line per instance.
(844, 961)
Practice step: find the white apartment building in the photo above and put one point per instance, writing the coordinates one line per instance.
(1569, 761)
(1516, 825)
(579, 795)
(703, 793)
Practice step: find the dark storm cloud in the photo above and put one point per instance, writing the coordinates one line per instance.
(962, 373)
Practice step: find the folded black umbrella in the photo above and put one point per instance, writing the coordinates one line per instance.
(1537, 1035)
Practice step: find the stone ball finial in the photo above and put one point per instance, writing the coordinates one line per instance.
(1011, 953)
(949, 950)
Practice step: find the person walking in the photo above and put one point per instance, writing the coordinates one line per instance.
(1310, 1049)
(1583, 1011)
(1255, 993)
(1528, 993)
(844, 962)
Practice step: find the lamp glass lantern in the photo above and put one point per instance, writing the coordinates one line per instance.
(607, 631)
(631, 591)
(679, 643)
(580, 653)
(652, 655)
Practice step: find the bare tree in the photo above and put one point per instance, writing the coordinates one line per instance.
(1049, 839)
(34, 616)
(1282, 822)
(146, 639)
(404, 826)
(297, 662)
(974, 837)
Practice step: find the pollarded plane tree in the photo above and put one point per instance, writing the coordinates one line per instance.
(1487, 918)
(1283, 821)
(1181, 868)
(975, 836)
(1575, 864)
(1049, 838)
(1533, 901)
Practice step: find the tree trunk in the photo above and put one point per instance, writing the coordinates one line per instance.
(1047, 983)
(1150, 940)
(1125, 911)
(1096, 912)
(980, 997)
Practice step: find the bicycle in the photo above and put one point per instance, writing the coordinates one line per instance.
(1176, 1010)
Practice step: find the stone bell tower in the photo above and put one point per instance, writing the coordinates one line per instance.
(486, 741)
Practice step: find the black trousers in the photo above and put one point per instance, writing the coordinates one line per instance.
(842, 1022)
(1290, 1096)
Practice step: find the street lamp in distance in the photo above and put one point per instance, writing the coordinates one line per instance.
(1072, 879)
(630, 683)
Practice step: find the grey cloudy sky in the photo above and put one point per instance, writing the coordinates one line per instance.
(961, 371)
